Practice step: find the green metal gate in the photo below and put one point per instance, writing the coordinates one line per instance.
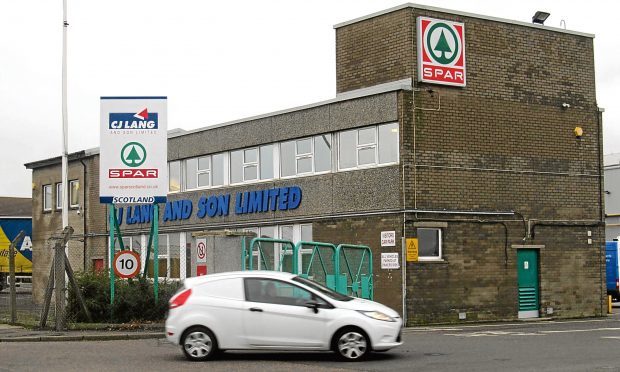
(347, 268)
(354, 268)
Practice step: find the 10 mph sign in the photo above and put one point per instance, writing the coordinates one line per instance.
(126, 264)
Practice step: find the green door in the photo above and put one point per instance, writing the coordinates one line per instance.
(527, 273)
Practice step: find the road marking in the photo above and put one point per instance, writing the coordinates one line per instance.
(583, 330)
(612, 337)
(493, 334)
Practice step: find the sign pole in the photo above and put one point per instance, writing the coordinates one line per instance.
(156, 251)
(111, 255)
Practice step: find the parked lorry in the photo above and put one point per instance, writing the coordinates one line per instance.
(9, 229)
(612, 270)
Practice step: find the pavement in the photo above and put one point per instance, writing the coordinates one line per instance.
(13, 333)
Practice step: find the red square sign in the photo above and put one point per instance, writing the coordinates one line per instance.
(441, 52)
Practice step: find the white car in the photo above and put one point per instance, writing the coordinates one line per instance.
(270, 310)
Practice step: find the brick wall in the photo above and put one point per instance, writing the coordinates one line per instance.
(502, 143)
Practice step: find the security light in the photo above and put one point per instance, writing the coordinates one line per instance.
(540, 17)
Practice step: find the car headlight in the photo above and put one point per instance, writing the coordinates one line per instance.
(377, 315)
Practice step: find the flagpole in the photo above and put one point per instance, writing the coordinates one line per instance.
(65, 134)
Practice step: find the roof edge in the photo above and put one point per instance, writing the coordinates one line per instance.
(404, 84)
(465, 14)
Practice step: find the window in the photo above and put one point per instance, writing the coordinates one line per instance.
(47, 197)
(429, 244)
(368, 146)
(323, 153)
(197, 172)
(218, 169)
(275, 292)
(266, 162)
(244, 165)
(169, 251)
(306, 156)
(388, 143)
(74, 197)
(174, 174)
(59, 195)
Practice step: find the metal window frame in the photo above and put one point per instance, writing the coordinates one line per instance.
(72, 193)
(440, 244)
(51, 196)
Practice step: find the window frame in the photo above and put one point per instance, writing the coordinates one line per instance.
(245, 164)
(59, 195)
(45, 199)
(374, 145)
(71, 193)
(439, 257)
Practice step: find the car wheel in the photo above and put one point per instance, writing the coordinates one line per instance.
(351, 344)
(199, 344)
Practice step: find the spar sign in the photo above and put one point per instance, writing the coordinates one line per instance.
(441, 52)
(133, 151)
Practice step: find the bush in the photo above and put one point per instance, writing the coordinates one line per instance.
(133, 299)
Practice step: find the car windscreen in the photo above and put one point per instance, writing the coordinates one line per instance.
(322, 289)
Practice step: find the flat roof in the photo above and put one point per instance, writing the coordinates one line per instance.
(465, 14)
(404, 84)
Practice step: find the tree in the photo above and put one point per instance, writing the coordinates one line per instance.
(443, 47)
(133, 156)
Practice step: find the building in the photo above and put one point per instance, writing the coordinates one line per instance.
(15, 217)
(477, 154)
(612, 191)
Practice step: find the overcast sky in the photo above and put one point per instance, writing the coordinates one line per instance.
(215, 60)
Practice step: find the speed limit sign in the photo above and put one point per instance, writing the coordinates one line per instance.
(126, 264)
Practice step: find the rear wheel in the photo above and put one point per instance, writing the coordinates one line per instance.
(198, 344)
(351, 345)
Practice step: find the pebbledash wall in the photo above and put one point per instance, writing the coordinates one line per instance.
(477, 173)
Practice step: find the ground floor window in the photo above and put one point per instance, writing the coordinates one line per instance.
(429, 244)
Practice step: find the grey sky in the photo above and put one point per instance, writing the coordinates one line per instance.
(215, 60)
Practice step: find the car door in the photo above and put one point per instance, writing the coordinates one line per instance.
(276, 316)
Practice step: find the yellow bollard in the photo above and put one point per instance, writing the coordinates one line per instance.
(609, 305)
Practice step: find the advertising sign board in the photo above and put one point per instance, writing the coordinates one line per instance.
(133, 150)
(441, 52)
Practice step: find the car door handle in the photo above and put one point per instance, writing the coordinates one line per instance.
(256, 309)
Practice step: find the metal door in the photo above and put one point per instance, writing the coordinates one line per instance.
(527, 274)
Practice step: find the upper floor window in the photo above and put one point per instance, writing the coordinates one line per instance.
(59, 195)
(47, 197)
(174, 176)
(251, 164)
(74, 197)
(306, 155)
(368, 146)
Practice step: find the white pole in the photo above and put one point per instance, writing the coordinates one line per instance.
(65, 134)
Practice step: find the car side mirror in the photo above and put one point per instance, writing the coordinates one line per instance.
(312, 305)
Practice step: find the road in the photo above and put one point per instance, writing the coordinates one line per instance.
(578, 345)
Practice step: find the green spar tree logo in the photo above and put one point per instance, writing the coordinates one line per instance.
(441, 52)
(133, 154)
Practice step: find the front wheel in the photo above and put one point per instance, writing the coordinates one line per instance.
(351, 345)
(199, 344)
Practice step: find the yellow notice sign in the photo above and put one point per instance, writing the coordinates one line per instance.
(412, 250)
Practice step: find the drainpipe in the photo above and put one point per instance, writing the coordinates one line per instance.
(84, 224)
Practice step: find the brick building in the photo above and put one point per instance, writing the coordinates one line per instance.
(486, 172)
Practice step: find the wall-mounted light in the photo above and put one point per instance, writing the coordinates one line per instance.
(578, 132)
(565, 105)
(540, 17)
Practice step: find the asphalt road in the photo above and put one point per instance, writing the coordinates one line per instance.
(580, 345)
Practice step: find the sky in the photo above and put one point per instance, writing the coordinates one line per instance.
(216, 61)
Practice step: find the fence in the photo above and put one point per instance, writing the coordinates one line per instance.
(345, 268)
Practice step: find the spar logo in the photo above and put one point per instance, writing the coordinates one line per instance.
(441, 52)
(139, 120)
(133, 155)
